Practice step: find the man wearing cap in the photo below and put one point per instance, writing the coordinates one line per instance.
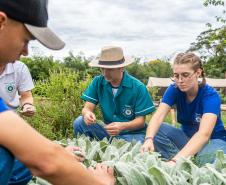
(124, 101)
(15, 87)
(20, 22)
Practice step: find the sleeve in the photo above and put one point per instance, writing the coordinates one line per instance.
(212, 103)
(90, 93)
(25, 79)
(144, 104)
(3, 107)
(169, 96)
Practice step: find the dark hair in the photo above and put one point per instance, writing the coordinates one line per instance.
(194, 60)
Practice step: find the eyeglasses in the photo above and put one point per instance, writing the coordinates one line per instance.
(183, 76)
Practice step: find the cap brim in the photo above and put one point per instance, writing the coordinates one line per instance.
(95, 63)
(45, 36)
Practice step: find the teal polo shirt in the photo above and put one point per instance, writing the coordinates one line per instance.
(131, 100)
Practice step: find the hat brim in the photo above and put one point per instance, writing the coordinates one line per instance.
(95, 63)
(46, 37)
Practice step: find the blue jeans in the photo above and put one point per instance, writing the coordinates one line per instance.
(12, 172)
(98, 132)
(170, 140)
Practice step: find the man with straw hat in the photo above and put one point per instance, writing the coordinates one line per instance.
(124, 101)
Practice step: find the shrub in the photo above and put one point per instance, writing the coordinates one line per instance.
(39, 66)
(58, 103)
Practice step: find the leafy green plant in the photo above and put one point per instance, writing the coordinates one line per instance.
(133, 168)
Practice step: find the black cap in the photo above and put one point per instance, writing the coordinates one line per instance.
(34, 15)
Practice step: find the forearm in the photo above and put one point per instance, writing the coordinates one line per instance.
(153, 126)
(43, 157)
(32, 146)
(194, 145)
(134, 124)
(88, 107)
(85, 110)
(157, 120)
(70, 172)
(26, 97)
(200, 138)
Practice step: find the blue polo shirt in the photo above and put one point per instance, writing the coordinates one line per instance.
(131, 100)
(189, 114)
(3, 107)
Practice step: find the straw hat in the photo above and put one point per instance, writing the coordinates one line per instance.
(111, 57)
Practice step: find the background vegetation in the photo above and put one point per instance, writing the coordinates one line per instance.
(59, 84)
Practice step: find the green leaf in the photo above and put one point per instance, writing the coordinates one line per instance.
(162, 177)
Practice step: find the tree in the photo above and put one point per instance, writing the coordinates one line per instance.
(216, 67)
(212, 44)
(39, 66)
(79, 63)
(137, 70)
(155, 68)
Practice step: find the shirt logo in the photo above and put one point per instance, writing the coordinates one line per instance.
(127, 111)
(198, 117)
(10, 88)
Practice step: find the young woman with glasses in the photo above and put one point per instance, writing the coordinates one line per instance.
(202, 131)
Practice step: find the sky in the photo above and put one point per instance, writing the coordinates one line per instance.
(148, 29)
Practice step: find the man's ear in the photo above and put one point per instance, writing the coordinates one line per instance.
(3, 20)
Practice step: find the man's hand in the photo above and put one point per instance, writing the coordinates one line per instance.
(76, 152)
(89, 118)
(28, 110)
(103, 173)
(113, 129)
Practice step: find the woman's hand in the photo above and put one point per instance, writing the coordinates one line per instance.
(148, 145)
(171, 162)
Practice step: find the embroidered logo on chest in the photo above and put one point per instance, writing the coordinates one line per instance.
(10, 87)
(198, 117)
(127, 111)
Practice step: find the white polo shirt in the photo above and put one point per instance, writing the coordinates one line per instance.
(15, 78)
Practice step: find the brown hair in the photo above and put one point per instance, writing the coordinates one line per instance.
(194, 60)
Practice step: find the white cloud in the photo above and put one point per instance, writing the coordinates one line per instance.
(146, 28)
